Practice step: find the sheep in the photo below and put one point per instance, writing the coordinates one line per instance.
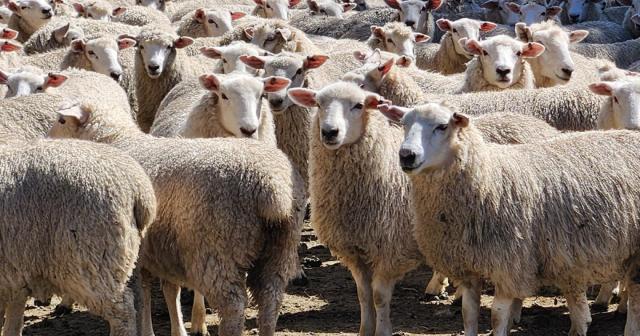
(623, 54)
(396, 37)
(575, 11)
(555, 65)
(274, 9)
(418, 15)
(532, 12)
(276, 36)
(449, 163)
(9, 56)
(187, 7)
(160, 64)
(28, 80)
(631, 19)
(450, 57)
(232, 187)
(98, 10)
(329, 7)
(497, 11)
(229, 56)
(133, 15)
(500, 64)
(208, 22)
(85, 252)
(29, 16)
(622, 107)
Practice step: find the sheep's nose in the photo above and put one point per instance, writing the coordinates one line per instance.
(247, 132)
(153, 68)
(46, 11)
(275, 102)
(330, 133)
(574, 18)
(116, 75)
(567, 71)
(407, 157)
(410, 23)
(503, 72)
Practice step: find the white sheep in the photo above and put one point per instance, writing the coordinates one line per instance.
(575, 11)
(229, 56)
(28, 80)
(449, 163)
(274, 9)
(217, 190)
(396, 37)
(208, 22)
(533, 12)
(418, 15)
(276, 36)
(28, 16)
(621, 109)
(329, 7)
(132, 15)
(98, 10)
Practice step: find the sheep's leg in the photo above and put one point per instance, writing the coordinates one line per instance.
(362, 276)
(470, 290)
(14, 316)
(501, 314)
(632, 327)
(624, 301)
(604, 295)
(231, 310)
(579, 313)
(198, 315)
(172, 297)
(146, 324)
(437, 285)
(382, 293)
(119, 311)
(516, 310)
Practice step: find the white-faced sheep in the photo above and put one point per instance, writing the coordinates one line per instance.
(88, 253)
(575, 11)
(28, 80)
(277, 36)
(9, 55)
(274, 9)
(208, 22)
(220, 179)
(621, 109)
(532, 12)
(450, 164)
(330, 7)
(396, 37)
(418, 15)
(229, 57)
(29, 16)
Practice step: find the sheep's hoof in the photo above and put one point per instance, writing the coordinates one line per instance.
(300, 280)
(39, 303)
(62, 310)
(599, 307)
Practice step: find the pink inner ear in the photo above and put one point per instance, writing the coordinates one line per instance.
(360, 55)
(421, 37)
(237, 15)
(384, 69)
(514, 7)
(126, 43)
(275, 84)
(9, 34)
(377, 32)
(252, 61)
(553, 11)
(10, 47)
(602, 89)
(444, 24)
(3, 77)
(210, 82)
(182, 42)
(473, 47)
(532, 49)
(293, 3)
(434, 4)
(199, 15)
(78, 7)
(259, 2)
(249, 32)
(210, 52)
(119, 11)
(488, 26)
(55, 80)
(315, 61)
(391, 112)
(77, 46)
(393, 4)
(13, 7)
(303, 97)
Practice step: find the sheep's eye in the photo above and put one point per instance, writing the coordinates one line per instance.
(39, 88)
(24, 7)
(299, 71)
(519, 53)
(357, 106)
(615, 99)
(62, 121)
(90, 15)
(323, 11)
(455, 30)
(442, 127)
(169, 47)
(224, 96)
(390, 40)
(224, 60)
(542, 14)
(269, 6)
(91, 53)
(362, 86)
(141, 46)
(485, 53)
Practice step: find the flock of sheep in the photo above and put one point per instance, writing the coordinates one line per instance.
(457, 134)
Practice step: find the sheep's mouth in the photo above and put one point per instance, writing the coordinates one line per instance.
(47, 16)
(564, 79)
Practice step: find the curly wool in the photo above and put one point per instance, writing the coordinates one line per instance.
(622, 54)
(142, 16)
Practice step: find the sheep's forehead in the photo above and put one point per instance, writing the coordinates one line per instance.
(551, 36)
(278, 3)
(103, 43)
(341, 91)
(28, 77)
(241, 84)
(156, 37)
(239, 50)
(432, 113)
(100, 7)
(398, 29)
(501, 43)
(218, 14)
(415, 5)
(465, 23)
(285, 62)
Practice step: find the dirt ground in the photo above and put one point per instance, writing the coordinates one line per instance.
(328, 305)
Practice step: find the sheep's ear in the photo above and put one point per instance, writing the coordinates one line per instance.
(444, 24)
(253, 61)
(210, 82)
(10, 45)
(315, 61)
(514, 7)
(79, 8)
(554, 11)
(471, 46)
(384, 68)
(275, 83)
(491, 5)
(393, 112)
(81, 115)
(211, 52)
(9, 34)
(259, 3)
(523, 32)
(487, 26)
(118, 11)
(404, 61)
(348, 6)
(293, 3)
(313, 5)
(636, 19)
(602, 88)
(4, 77)
(13, 6)
(393, 4)
(200, 15)
(61, 32)
(182, 42)
(377, 31)
(237, 15)
(459, 120)
(532, 50)
(248, 32)
(578, 35)
(360, 55)
(625, 2)
(372, 101)
(303, 97)
(285, 33)
(420, 38)
(124, 43)
(54, 80)
(77, 46)
(434, 5)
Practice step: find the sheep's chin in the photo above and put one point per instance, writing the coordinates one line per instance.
(331, 145)
(154, 76)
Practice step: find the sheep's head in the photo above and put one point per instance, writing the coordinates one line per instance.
(624, 101)
(5, 15)
(29, 81)
(230, 56)
(634, 11)
(555, 63)
(373, 71)
(98, 10)
(287, 65)
(216, 22)
(276, 9)
(240, 100)
(430, 131)
(584, 10)
(158, 50)
(155, 4)
(414, 12)
(35, 12)
(103, 53)
(271, 36)
(502, 58)
(498, 10)
(329, 7)
(464, 28)
(342, 109)
(533, 12)
(397, 38)
(72, 121)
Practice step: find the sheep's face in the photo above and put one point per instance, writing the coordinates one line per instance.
(230, 56)
(71, 123)
(103, 54)
(25, 82)
(155, 4)
(584, 10)
(157, 54)
(329, 7)
(533, 12)
(498, 11)
(36, 12)
(98, 10)
(288, 65)
(464, 28)
(624, 102)
(414, 13)
(429, 134)
(5, 15)
(270, 38)
(240, 100)
(216, 22)
(64, 35)
(502, 58)
(276, 9)
(398, 39)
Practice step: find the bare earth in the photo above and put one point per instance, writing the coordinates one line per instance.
(328, 305)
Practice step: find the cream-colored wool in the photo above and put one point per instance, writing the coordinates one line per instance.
(446, 60)
(141, 16)
(183, 8)
(623, 54)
